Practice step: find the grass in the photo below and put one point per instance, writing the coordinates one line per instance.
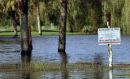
(6, 33)
(34, 33)
(37, 67)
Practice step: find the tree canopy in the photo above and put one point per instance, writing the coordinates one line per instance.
(83, 15)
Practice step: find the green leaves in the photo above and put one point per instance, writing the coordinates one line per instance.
(81, 13)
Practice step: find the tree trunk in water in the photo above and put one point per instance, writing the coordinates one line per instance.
(38, 21)
(26, 39)
(63, 65)
(62, 29)
(26, 59)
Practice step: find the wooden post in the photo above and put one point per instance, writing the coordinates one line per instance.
(26, 39)
(62, 29)
(108, 17)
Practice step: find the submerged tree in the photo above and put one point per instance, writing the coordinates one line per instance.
(26, 39)
(62, 28)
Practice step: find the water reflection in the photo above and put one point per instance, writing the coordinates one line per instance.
(26, 59)
(63, 65)
(98, 66)
(110, 73)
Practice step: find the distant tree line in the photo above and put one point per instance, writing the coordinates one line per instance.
(83, 15)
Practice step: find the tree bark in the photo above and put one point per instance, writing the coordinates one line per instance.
(26, 39)
(62, 29)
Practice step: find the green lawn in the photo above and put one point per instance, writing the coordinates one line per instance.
(34, 33)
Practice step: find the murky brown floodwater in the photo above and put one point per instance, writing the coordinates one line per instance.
(80, 49)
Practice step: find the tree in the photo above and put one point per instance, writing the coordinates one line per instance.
(73, 13)
(38, 19)
(62, 28)
(10, 7)
(12, 14)
(47, 9)
(26, 39)
(35, 4)
(97, 6)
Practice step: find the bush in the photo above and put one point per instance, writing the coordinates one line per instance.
(89, 29)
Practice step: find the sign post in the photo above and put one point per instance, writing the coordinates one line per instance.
(109, 36)
(110, 50)
(108, 16)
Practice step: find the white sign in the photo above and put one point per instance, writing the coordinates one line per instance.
(109, 36)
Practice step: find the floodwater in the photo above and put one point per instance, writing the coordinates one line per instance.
(79, 49)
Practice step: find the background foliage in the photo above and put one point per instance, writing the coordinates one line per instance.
(83, 15)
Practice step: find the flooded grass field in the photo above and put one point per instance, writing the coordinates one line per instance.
(84, 59)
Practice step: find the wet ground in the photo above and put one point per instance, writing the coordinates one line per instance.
(79, 49)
